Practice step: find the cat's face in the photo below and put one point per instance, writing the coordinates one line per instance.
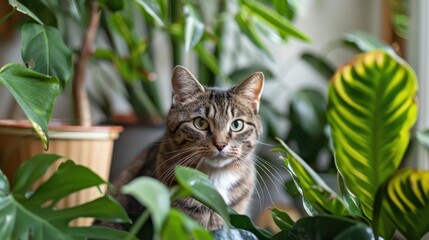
(216, 127)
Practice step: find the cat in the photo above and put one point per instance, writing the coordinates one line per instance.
(209, 129)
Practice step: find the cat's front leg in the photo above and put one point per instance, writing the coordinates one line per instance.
(199, 212)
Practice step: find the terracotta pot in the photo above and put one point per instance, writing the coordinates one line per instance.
(88, 146)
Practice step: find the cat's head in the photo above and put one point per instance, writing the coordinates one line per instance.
(217, 127)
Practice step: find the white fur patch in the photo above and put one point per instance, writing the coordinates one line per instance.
(223, 179)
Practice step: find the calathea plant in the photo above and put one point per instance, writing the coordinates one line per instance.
(371, 110)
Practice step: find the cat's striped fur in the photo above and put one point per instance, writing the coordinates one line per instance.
(214, 131)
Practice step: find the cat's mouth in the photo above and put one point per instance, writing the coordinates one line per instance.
(218, 161)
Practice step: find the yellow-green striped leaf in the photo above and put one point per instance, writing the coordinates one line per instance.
(371, 110)
(406, 201)
(318, 198)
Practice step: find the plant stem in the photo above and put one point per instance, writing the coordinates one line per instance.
(7, 16)
(176, 45)
(138, 224)
(80, 98)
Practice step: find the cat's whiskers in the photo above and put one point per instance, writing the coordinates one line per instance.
(265, 144)
(188, 160)
(271, 175)
(177, 154)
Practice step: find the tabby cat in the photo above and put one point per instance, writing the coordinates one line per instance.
(212, 130)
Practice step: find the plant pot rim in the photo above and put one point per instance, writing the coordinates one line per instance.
(59, 129)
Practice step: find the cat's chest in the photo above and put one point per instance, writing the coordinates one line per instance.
(223, 182)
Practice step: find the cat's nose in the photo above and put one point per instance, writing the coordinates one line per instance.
(220, 145)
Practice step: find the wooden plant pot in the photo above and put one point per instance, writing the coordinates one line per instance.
(88, 146)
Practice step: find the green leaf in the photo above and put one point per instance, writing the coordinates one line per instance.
(23, 218)
(201, 188)
(371, 109)
(208, 58)
(96, 232)
(123, 26)
(44, 51)
(406, 197)
(4, 185)
(364, 42)
(69, 178)
(282, 219)
(152, 8)
(239, 74)
(308, 108)
(153, 195)
(112, 5)
(248, 28)
(317, 196)
(194, 27)
(244, 222)
(329, 227)
(23, 9)
(281, 24)
(35, 94)
(286, 8)
(32, 170)
(319, 64)
(348, 198)
(179, 226)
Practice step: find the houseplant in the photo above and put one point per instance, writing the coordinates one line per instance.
(373, 188)
(35, 87)
(33, 213)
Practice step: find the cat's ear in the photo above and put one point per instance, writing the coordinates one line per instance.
(185, 86)
(251, 89)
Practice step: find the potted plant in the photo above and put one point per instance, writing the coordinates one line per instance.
(35, 87)
(371, 111)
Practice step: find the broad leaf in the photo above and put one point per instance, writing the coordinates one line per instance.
(208, 58)
(282, 219)
(364, 42)
(180, 226)
(271, 17)
(23, 9)
(32, 170)
(23, 218)
(406, 203)
(371, 109)
(201, 188)
(153, 195)
(34, 92)
(248, 28)
(330, 227)
(153, 9)
(319, 63)
(307, 109)
(348, 198)
(44, 51)
(317, 196)
(194, 27)
(244, 222)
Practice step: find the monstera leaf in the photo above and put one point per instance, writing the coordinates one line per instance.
(27, 214)
(405, 199)
(318, 197)
(371, 110)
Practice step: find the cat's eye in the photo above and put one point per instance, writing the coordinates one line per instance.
(237, 125)
(201, 124)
